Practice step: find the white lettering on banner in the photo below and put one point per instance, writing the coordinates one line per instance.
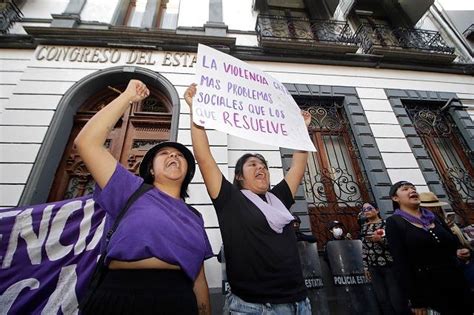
(54, 249)
(84, 227)
(9, 296)
(48, 283)
(64, 296)
(24, 227)
(243, 101)
(7, 214)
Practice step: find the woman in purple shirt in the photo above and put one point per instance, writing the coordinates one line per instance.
(155, 257)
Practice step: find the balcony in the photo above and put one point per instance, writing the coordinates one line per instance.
(9, 13)
(320, 36)
(397, 43)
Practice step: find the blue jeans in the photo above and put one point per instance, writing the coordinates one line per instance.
(236, 306)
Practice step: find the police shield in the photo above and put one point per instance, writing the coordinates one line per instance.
(353, 290)
(311, 268)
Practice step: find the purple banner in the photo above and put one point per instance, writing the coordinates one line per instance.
(47, 255)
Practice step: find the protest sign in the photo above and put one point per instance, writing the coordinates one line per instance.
(236, 98)
(47, 255)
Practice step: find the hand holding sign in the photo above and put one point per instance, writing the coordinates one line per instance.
(189, 95)
(238, 99)
(136, 91)
(307, 117)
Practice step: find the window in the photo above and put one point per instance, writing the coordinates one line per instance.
(136, 12)
(294, 21)
(169, 15)
(335, 186)
(449, 154)
(148, 13)
(289, 23)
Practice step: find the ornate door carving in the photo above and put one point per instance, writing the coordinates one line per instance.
(143, 125)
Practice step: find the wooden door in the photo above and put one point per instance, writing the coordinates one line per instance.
(143, 125)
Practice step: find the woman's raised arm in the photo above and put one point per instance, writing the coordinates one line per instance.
(90, 140)
(298, 162)
(210, 171)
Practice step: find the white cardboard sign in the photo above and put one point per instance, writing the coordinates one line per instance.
(241, 100)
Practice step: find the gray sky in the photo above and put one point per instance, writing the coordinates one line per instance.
(457, 5)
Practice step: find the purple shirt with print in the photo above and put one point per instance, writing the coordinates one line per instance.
(156, 225)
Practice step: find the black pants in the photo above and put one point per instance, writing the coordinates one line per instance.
(143, 291)
(389, 296)
(444, 289)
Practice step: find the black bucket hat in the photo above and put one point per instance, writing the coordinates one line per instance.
(148, 160)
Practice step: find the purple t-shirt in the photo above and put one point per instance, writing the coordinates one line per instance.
(156, 225)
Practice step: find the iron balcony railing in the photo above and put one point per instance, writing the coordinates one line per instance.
(9, 13)
(376, 36)
(301, 29)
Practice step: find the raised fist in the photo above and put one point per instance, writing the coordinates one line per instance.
(136, 91)
(306, 116)
(189, 94)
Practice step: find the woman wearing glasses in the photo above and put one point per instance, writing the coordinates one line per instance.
(378, 262)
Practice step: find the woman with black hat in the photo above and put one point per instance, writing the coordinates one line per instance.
(155, 257)
(425, 254)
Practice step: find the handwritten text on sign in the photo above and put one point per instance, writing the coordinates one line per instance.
(241, 100)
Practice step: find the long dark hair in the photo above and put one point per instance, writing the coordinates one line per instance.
(239, 167)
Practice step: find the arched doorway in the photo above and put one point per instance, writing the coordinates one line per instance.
(142, 125)
(74, 106)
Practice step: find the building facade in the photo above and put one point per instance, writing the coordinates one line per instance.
(389, 85)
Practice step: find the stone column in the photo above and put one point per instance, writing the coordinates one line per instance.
(215, 26)
(71, 16)
(151, 13)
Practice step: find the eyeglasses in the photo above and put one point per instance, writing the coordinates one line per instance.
(368, 208)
